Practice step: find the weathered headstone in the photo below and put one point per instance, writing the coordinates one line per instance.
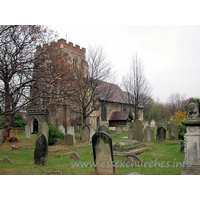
(128, 159)
(118, 129)
(130, 133)
(137, 130)
(148, 134)
(92, 132)
(103, 154)
(192, 139)
(28, 131)
(69, 140)
(74, 156)
(173, 131)
(7, 160)
(161, 134)
(128, 125)
(145, 123)
(61, 128)
(103, 128)
(70, 130)
(41, 150)
(153, 124)
(86, 133)
(44, 129)
(58, 141)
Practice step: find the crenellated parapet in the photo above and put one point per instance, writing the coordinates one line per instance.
(61, 43)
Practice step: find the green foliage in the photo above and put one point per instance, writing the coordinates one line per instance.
(54, 134)
(19, 122)
(181, 131)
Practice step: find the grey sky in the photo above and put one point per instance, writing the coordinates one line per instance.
(170, 54)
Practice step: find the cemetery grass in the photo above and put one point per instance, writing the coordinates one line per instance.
(60, 163)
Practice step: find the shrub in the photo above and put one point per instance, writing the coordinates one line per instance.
(54, 134)
(19, 122)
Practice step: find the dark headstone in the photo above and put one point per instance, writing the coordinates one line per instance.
(41, 150)
(161, 134)
(69, 140)
(86, 133)
(103, 154)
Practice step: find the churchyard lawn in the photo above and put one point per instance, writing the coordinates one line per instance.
(162, 158)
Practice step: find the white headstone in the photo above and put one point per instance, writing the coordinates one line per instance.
(70, 130)
(28, 131)
(92, 132)
(44, 129)
(61, 128)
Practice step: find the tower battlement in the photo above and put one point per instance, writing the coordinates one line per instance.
(61, 43)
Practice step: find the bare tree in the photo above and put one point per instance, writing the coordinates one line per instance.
(17, 55)
(137, 87)
(92, 84)
(175, 102)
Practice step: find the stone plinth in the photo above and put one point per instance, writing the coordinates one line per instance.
(192, 139)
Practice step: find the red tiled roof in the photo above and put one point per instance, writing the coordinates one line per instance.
(120, 116)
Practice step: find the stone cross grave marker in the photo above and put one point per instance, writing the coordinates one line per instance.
(41, 150)
(161, 134)
(118, 129)
(173, 131)
(70, 130)
(44, 129)
(103, 154)
(92, 132)
(69, 140)
(104, 129)
(85, 133)
(28, 131)
(148, 134)
(61, 128)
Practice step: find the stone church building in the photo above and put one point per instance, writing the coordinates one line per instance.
(58, 61)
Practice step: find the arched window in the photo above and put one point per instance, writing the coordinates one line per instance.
(75, 63)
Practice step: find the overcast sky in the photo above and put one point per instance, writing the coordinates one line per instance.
(170, 54)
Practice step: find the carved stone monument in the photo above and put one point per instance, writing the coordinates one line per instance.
(192, 139)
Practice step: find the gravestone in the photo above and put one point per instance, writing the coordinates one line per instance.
(153, 124)
(80, 130)
(61, 128)
(192, 139)
(103, 128)
(148, 134)
(41, 150)
(138, 130)
(92, 132)
(128, 159)
(103, 154)
(128, 125)
(70, 130)
(44, 129)
(69, 140)
(28, 131)
(145, 123)
(74, 156)
(85, 133)
(161, 134)
(130, 133)
(172, 131)
(118, 129)
(58, 141)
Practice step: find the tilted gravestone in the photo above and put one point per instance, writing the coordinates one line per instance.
(85, 133)
(92, 132)
(103, 154)
(44, 129)
(137, 130)
(148, 134)
(128, 159)
(118, 129)
(103, 128)
(128, 125)
(161, 134)
(61, 128)
(172, 131)
(41, 150)
(69, 140)
(70, 130)
(28, 131)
